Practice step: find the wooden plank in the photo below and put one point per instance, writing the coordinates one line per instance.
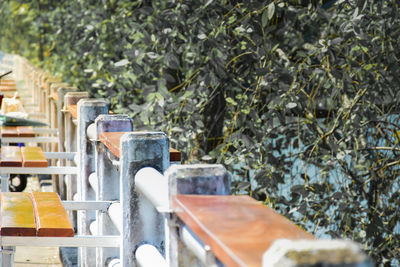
(237, 228)
(10, 156)
(73, 109)
(25, 131)
(9, 131)
(7, 88)
(112, 141)
(51, 217)
(17, 215)
(174, 155)
(33, 156)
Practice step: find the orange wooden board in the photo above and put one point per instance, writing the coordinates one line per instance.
(237, 228)
(112, 141)
(10, 156)
(51, 217)
(25, 131)
(32, 156)
(9, 131)
(17, 215)
(73, 109)
(7, 88)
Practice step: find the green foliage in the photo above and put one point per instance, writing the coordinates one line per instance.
(297, 98)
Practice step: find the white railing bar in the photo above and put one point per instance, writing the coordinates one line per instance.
(76, 159)
(115, 213)
(93, 181)
(93, 227)
(41, 130)
(91, 132)
(86, 205)
(76, 241)
(201, 251)
(115, 263)
(38, 170)
(38, 139)
(59, 155)
(153, 185)
(149, 256)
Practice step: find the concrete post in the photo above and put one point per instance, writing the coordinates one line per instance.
(53, 116)
(191, 179)
(61, 93)
(108, 180)
(138, 150)
(67, 136)
(88, 110)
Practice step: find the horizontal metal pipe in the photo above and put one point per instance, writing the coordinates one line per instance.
(154, 186)
(114, 263)
(39, 170)
(76, 159)
(93, 181)
(91, 132)
(149, 256)
(76, 241)
(41, 130)
(59, 155)
(93, 227)
(38, 139)
(193, 244)
(115, 213)
(86, 205)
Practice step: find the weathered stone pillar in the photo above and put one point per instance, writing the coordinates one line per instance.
(88, 110)
(141, 223)
(108, 180)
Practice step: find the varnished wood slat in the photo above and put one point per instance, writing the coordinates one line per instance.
(7, 82)
(112, 141)
(9, 131)
(237, 228)
(10, 156)
(17, 215)
(73, 109)
(174, 155)
(33, 157)
(25, 131)
(51, 217)
(7, 88)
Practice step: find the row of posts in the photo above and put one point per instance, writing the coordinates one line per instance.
(148, 230)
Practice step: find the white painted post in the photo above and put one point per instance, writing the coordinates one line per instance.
(108, 187)
(88, 110)
(141, 223)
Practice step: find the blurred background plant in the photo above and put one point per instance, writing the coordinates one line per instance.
(298, 98)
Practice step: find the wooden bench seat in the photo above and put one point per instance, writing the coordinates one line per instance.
(33, 214)
(237, 228)
(17, 131)
(14, 156)
(112, 141)
(33, 156)
(7, 88)
(10, 156)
